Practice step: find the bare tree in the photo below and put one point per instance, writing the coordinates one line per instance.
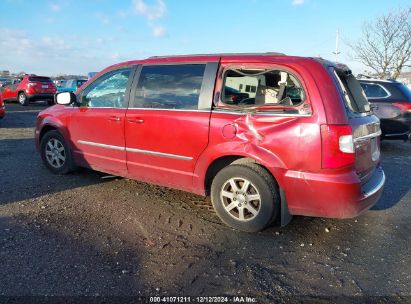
(385, 45)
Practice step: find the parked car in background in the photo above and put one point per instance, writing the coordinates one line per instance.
(30, 88)
(233, 95)
(2, 108)
(58, 82)
(9, 82)
(71, 85)
(91, 75)
(392, 104)
(3, 80)
(304, 142)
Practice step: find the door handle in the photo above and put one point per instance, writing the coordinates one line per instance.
(114, 118)
(135, 120)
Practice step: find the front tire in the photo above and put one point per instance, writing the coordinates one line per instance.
(55, 153)
(22, 98)
(245, 197)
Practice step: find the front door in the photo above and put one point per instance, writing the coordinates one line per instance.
(167, 123)
(97, 126)
(10, 91)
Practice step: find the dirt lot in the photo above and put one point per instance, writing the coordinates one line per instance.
(90, 234)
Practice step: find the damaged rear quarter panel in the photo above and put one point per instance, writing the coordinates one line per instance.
(279, 143)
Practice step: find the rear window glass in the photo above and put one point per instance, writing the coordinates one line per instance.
(352, 92)
(40, 79)
(256, 88)
(373, 90)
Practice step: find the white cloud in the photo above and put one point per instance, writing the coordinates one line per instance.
(54, 7)
(159, 31)
(115, 56)
(103, 18)
(151, 12)
(297, 2)
(52, 55)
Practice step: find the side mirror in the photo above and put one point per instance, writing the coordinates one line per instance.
(66, 98)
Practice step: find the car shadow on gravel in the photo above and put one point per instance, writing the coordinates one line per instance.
(23, 175)
(396, 162)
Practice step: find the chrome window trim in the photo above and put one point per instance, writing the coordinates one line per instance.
(133, 150)
(224, 112)
(173, 110)
(262, 114)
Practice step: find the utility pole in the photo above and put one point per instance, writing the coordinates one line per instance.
(337, 37)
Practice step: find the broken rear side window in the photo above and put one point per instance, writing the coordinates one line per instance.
(353, 94)
(255, 88)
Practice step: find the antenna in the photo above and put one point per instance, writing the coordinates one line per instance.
(337, 37)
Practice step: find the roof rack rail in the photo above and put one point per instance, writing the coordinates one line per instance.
(222, 54)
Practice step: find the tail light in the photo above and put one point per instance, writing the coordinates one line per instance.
(32, 84)
(404, 106)
(337, 146)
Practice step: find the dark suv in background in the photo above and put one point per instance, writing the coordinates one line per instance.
(392, 104)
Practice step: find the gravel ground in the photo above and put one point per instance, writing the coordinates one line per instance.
(91, 234)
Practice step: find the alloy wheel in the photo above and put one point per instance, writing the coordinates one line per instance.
(240, 199)
(55, 153)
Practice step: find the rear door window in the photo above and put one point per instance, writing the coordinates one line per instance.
(247, 88)
(352, 92)
(169, 86)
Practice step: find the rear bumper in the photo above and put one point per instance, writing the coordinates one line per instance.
(332, 196)
(36, 97)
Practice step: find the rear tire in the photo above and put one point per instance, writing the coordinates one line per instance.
(245, 197)
(22, 99)
(55, 153)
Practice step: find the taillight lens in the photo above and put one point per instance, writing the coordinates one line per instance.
(404, 106)
(337, 146)
(32, 84)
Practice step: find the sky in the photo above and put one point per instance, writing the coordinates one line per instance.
(79, 36)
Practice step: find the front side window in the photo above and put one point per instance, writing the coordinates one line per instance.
(372, 90)
(169, 86)
(108, 91)
(260, 87)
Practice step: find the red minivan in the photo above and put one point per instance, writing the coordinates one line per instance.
(266, 135)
